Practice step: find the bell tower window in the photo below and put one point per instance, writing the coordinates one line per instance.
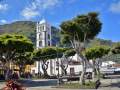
(40, 43)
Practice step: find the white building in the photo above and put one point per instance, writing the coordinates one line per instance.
(43, 34)
(74, 67)
(43, 39)
(107, 63)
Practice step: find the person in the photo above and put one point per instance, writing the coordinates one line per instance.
(15, 76)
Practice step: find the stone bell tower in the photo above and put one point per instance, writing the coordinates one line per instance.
(43, 34)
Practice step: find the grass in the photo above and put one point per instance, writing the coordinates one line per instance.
(88, 85)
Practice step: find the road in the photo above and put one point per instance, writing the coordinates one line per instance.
(112, 83)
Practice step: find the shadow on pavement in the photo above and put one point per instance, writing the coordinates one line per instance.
(117, 84)
(30, 83)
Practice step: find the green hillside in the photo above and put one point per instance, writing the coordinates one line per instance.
(97, 42)
(27, 28)
(20, 27)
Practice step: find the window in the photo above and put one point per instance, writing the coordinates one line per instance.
(40, 43)
(72, 71)
(48, 36)
(43, 27)
(40, 28)
(33, 71)
(47, 28)
(48, 43)
(40, 36)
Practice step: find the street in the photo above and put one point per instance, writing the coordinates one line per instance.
(112, 83)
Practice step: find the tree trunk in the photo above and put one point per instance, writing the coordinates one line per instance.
(83, 62)
(82, 76)
(94, 71)
(79, 47)
(39, 72)
(22, 70)
(98, 73)
(45, 67)
(64, 68)
(64, 71)
(45, 71)
(7, 74)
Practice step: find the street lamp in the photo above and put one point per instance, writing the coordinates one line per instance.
(58, 65)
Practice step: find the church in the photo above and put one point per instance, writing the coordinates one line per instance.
(44, 39)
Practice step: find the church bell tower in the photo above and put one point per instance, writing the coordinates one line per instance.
(43, 34)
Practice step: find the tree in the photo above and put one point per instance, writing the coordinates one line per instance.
(43, 55)
(116, 49)
(66, 59)
(22, 60)
(11, 46)
(96, 53)
(78, 32)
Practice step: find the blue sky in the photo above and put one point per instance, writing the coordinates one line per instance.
(56, 11)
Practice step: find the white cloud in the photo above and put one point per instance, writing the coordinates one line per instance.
(29, 13)
(3, 21)
(50, 3)
(3, 7)
(37, 6)
(115, 7)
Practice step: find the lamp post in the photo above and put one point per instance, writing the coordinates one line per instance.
(58, 65)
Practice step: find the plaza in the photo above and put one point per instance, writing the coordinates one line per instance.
(59, 44)
(112, 83)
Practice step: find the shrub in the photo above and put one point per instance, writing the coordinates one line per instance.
(13, 85)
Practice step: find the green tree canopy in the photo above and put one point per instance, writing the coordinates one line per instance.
(45, 53)
(116, 49)
(96, 52)
(12, 45)
(24, 59)
(69, 53)
(80, 28)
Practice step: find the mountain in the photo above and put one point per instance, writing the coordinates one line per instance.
(55, 35)
(27, 28)
(98, 41)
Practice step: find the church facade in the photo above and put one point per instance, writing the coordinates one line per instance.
(44, 39)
